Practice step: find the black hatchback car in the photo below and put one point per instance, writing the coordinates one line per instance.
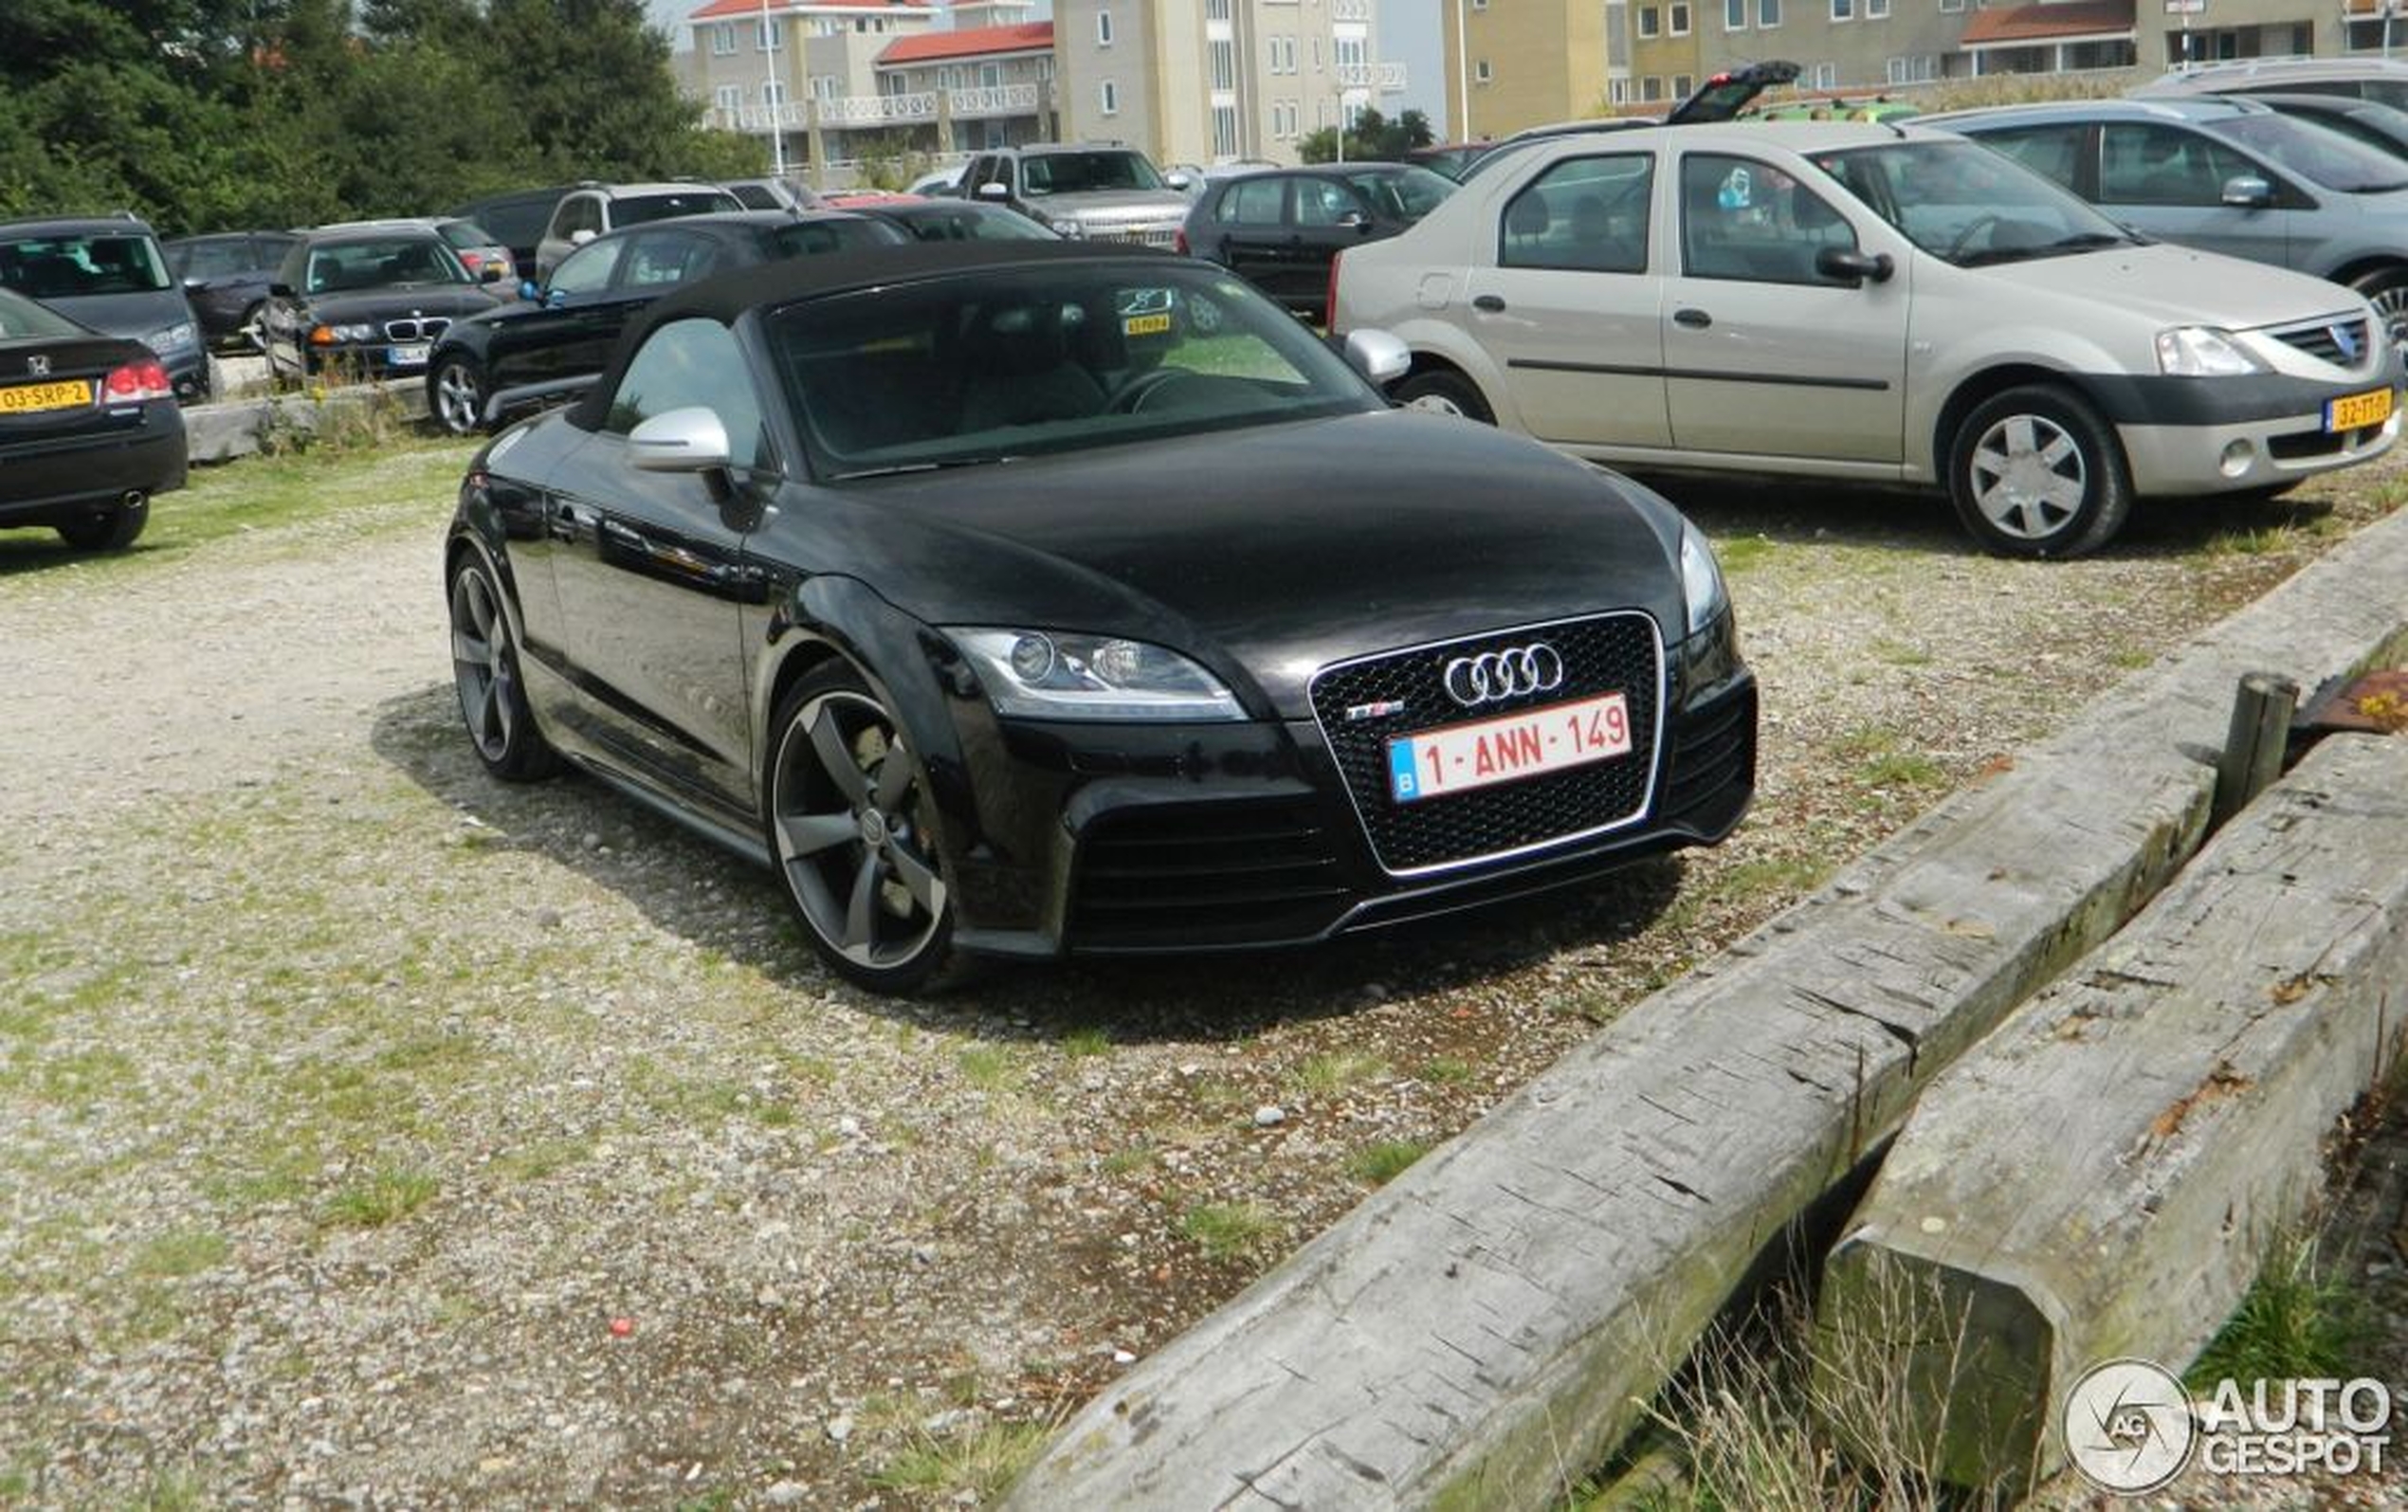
(1004, 602)
(89, 429)
(1280, 230)
(225, 275)
(521, 355)
(368, 300)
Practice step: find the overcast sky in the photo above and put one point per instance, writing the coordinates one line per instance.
(1408, 34)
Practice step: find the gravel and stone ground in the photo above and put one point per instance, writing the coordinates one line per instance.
(373, 1132)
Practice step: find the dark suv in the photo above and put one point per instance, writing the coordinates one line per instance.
(1279, 229)
(108, 272)
(1097, 190)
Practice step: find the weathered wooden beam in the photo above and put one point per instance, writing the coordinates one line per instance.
(1482, 1331)
(2100, 1178)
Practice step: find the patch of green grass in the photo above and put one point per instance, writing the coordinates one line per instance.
(1901, 653)
(718, 1499)
(1378, 1164)
(988, 1068)
(538, 1158)
(2263, 540)
(2300, 1319)
(177, 1491)
(1881, 760)
(1742, 554)
(982, 1462)
(390, 1195)
(1087, 1040)
(183, 1252)
(1446, 1070)
(1138, 1156)
(1231, 1230)
(1334, 1071)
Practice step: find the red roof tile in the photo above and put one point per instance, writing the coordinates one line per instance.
(2046, 22)
(1027, 36)
(723, 10)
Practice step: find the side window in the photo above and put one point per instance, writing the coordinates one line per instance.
(2146, 164)
(1252, 202)
(1748, 220)
(580, 212)
(2055, 153)
(660, 258)
(586, 269)
(693, 362)
(1587, 213)
(1319, 202)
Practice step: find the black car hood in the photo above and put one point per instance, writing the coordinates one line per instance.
(1272, 551)
(128, 314)
(450, 299)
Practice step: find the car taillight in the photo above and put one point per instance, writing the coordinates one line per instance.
(1178, 243)
(137, 380)
(1329, 313)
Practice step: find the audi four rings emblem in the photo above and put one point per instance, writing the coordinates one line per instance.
(1513, 672)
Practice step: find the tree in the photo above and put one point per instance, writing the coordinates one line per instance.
(1372, 137)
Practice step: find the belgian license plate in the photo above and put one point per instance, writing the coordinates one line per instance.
(32, 398)
(2353, 410)
(1459, 757)
(409, 356)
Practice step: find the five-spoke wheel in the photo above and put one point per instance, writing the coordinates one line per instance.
(485, 667)
(456, 391)
(853, 830)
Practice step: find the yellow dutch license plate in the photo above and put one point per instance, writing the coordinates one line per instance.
(1145, 324)
(2354, 410)
(31, 398)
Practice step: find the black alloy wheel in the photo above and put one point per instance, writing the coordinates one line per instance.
(851, 827)
(2035, 472)
(456, 391)
(108, 527)
(485, 667)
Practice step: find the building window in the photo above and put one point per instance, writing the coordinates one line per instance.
(1952, 5)
(1104, 28)
(1107, 97)
(1683, 86)
(1919, 69)
(773, 94)
(1216, 10)
(1876, 9)
(723, 38)
(1618, 91)
(1768, 13)
(1734, 15)
(1650, 22)
(1224, 131)
(1843, 10)
(1652, 88)
(729, 96)
(1677, 20)
(1824, 76)
(1480, 71)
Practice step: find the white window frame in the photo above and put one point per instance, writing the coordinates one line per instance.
(768, 35)
(1107, 97)
(1482, 73)
(1768, 14)
(1651, 23)
(1876, 9)
(729, 96)
(1734, 9)
(1842, 12)
(1676, 22)
(724, 40)
(1104, 28)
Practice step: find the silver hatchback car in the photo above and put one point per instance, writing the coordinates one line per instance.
(1874, 303)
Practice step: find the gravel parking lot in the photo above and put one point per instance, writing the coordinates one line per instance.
(372, 1131)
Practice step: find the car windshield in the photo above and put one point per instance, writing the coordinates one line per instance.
(1406, 196)
(70, 267)
(20, 318)
(381, 264)
(1081, 173)
(634, 209)
(1968, 203)
(2317, 153)
(991, 365)
(811, 238)
(971, 222)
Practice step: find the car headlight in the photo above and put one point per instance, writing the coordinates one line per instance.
(1067, 227)
(171, 338)
(2202, 351)
(328, 335)
(1702, 590)
(1053, 675)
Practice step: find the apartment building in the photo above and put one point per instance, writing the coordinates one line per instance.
(1513, 64)
(1214, 80)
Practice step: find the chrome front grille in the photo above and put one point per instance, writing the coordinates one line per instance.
(2341, 342)
(416, 329)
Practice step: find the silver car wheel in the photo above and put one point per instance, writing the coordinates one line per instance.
(460, 398)
(849, 814)
(2029, 476)
(1437, 404)
(481, 665)
(2391, 308)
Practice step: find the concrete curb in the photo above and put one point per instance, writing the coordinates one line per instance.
(236, 428)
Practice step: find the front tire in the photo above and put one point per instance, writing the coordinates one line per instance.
(108, 528)
(2035, 472)
(484, 668)
(852, 829)
(456, 394)
(1442, 390)
(2386, 289)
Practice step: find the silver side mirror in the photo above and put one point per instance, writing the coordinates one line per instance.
(688, 439)
(2248, 192)
(1377, 356)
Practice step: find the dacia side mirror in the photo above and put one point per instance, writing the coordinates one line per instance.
(2248, 192)
(1380, 357)
(1848, 266)
(997, 191)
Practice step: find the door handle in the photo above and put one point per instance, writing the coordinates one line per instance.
(1694, 319)
(1488, 304)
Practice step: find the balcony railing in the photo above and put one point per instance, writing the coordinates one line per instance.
(884, 110)
(1388, 78)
